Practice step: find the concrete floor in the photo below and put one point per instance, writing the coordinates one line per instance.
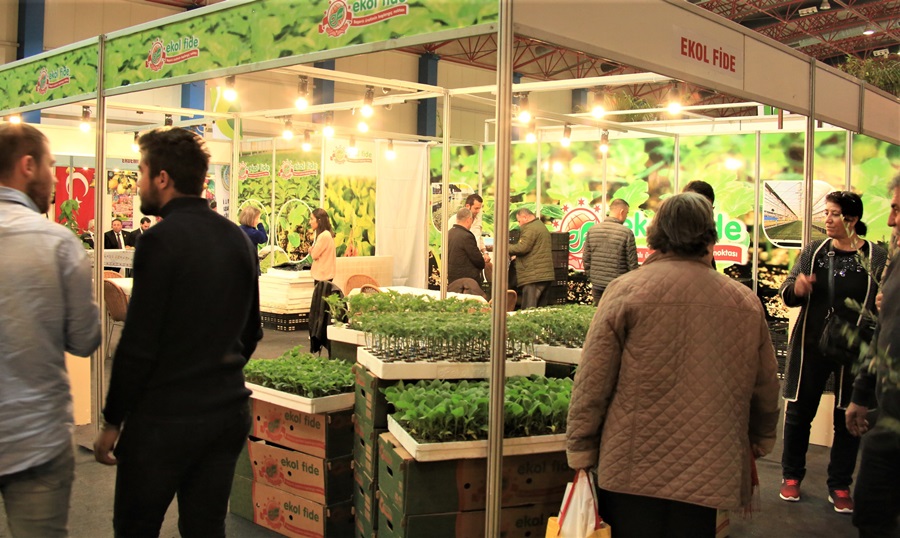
(813, 516)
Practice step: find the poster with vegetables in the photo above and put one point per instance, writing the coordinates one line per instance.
(123, 209)
(296, 195)
(349, 178)
(264, 30)
(66, 74)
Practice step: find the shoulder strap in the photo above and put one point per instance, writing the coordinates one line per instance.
(830, 274)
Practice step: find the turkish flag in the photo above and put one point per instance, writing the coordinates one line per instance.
(76, 184)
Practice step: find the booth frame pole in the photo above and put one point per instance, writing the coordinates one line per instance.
(501, 255)
(234, 185)
(98, 359)
(809, 155)
(757, 207)
(445, 192)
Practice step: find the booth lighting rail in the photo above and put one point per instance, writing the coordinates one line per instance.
(573, 84)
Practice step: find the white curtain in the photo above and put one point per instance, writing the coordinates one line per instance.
(402, 211)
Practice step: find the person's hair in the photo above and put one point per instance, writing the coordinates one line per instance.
(524, 211)
(472, 198)
(701, 187)
(145, 219)
(851, 206)
(463, 214)
(117, 219)
(894, 185)
(322, 220)
(683, 225)
(17, 141)
(248, 215)
(618, 204)
(181, 153)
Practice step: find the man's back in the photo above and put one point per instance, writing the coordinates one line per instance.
(609, 252)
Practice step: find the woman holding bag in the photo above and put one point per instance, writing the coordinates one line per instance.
(819, 295)
(677, 387)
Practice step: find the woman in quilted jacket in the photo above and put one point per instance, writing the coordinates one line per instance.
(855, 261)
(677, 387)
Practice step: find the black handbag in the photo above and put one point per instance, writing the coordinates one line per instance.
(834, 343)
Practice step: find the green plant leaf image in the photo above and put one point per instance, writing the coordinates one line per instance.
(350, 202)
(67, 74)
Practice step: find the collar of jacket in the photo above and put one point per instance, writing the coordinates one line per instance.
(671, 256)
(183, 203)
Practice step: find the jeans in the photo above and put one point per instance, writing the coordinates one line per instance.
(37, 499)
(798, 418)
(648, 517)
(877, 494)
(535, 294)
(192, 457)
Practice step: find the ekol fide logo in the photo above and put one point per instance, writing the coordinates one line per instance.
(156, 59)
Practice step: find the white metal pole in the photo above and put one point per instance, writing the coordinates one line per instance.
(809, 156)
(98, 359)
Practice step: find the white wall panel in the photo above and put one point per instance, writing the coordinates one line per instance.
(881, 117)
(775, 77)
(837, 98)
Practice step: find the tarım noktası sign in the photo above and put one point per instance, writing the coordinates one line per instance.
(267, 30)
(66, 74)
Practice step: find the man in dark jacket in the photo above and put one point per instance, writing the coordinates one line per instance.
(464, 260)
(609, 249)
(878, 481)
(534, 259)
(177, 391)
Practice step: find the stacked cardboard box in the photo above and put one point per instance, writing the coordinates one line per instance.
(447, 498)
(294, 476)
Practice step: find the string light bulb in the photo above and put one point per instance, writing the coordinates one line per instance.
(524, 112)
(135, 147)
(288, 132)
(15, 119)
(367, 109)
(230, 93)
(674, 106)
(307, 141)
(390, 154)
(530, 136)
(352, 150)
(597, 110)
(566, 137)
(328, 130)
(362, 126)
(85, 119)
(302, 94)
(604, 142)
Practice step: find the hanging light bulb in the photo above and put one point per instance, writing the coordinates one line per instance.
(352, 150)
(307, 143)
(604, 142)
(135, 147)
(85, 119)
(362, 126)
(230, 93)
(15, 119)
(328, 130)
(524, 111)
(390, 154)
(288, 132)
(597, 109)
(674, 106)
(302, 94)
(168, 121)
(566, 137)
(530, 136)
(367, 109)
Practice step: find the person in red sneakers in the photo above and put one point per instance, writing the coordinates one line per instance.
(849, 259)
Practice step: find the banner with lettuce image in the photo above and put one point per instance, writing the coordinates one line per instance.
(350, 196)
(66, 74)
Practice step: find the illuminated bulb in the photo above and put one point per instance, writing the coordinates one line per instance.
(328, 131)
(352, 150)
(85, 127)
(674, 107)
(530, 137)
(288, 132)
(733, 164)
(85, 119)
(134, 145)
(15, 120)
(557, 167)
(604, 142)
(597, 110)
(302, 94)
(307, 144)
(230, 94)
(390, 154)
(367, 109)
(524, 113)
(566, 137)
(362, 127)
(869, 30)
(301, 103)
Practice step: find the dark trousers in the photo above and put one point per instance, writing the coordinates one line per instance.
(877, 493)
(798, 417)
(597, 293)
(535, 294)
(648, 517)
(193, 458)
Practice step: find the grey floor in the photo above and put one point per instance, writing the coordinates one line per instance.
(813, 516)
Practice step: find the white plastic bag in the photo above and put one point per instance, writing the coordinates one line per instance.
(578, 515)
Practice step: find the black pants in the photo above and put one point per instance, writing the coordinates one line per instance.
(648, 517)
(877, 494)
(535, 294)
(192, 457)
(798, 418)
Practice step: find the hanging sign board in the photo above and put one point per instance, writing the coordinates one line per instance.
(62, 75)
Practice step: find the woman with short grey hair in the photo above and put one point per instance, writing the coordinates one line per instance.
(685, 226)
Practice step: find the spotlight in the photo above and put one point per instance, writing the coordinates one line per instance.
(367, 109)
(352, 150)
(869, 30)
(302, 94)
(85, 119)
(531, 137)
(390, 154)
(362, 126)
(604, 142)
(288, 132)
(566, 137)
(328, 130)
(307, 144)
(168, 121)
(524, 112)
(15, 119)
(597, 110)
(825, 5)
(134, 145)
(230, 94)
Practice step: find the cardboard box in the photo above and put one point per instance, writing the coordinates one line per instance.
(723, 523)
(324, 435)
(371, 406)
(365, 449)
(461, 485)
(288, 514)
(316, 479)
(365, 502)
(515, 522)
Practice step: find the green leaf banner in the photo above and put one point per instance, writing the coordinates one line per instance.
(66, 74)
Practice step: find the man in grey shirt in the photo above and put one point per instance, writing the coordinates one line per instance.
(46, 310)
(609, 249)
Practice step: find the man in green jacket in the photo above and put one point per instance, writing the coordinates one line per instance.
(534, 259)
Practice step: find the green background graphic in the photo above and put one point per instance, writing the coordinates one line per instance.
(17, 83)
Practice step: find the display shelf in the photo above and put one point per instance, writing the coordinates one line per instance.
(346, 335)
(455, 450)
(565, 355)
(336, 402)
(444, 369)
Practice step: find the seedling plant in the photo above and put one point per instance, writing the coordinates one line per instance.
(302, 374)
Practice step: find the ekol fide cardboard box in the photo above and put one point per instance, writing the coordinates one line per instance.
(324, 435)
